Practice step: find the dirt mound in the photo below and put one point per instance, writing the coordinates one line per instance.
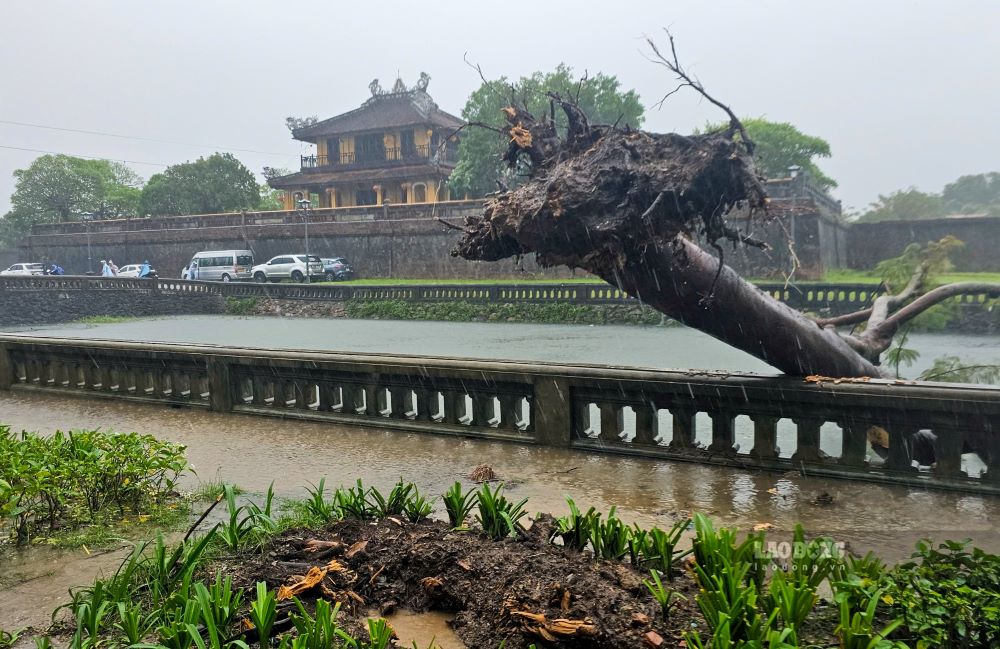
(519, 591)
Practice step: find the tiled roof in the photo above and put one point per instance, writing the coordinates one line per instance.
(391, 110)
(357, 175)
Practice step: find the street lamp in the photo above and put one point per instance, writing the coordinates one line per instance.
(87, 218)
(304, 205)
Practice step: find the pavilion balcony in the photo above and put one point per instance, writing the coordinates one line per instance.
(378, 158)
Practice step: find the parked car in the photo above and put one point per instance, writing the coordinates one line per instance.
(291, 267)
(221, 266)
(24, 269)
(337, 269)
(133, 270)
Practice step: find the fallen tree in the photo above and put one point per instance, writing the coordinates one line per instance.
(631, 207)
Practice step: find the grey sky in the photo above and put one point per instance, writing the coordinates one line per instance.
(906, 92)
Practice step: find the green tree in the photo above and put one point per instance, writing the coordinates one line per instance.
(218, 183)
(780, 145)
(904, 204)
(479, 167)
(59, 188)
(975, 193)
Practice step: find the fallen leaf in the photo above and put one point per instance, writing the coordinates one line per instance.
(354, 549)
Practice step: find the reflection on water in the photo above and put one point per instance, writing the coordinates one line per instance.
(430, 629)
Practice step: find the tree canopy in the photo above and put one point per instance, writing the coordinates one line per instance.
(218, 183)
(599, 96)
(780, 145)
(59, 188)
(977, 193)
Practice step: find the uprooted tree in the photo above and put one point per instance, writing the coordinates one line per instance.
(631, 206)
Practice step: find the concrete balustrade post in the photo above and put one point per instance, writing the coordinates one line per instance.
(646, 424)
(220, 391)
(950, 443)
(765, 437)
(426, 402)
(510, 415)
(450, 407)
(551, 411)
(6, 368)
(723, 433)
(398, 407)
(854, 449)
(807, 436)
(899, 451)
(683, 428)
(611, 424)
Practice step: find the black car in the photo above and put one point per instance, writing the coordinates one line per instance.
(337, 269)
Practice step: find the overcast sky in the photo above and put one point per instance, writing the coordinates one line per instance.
(906, 92)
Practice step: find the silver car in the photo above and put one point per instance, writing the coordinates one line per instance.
(24, 269)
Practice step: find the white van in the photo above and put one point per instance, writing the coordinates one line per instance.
(220, 266)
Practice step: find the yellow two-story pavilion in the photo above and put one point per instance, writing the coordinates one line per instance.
(398, 147)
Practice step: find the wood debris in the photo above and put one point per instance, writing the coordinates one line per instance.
(307, 582)
(354, 549)
(483, 473)
(315, 545)
(554, 630)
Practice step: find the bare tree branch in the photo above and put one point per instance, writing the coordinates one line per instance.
(883, 305)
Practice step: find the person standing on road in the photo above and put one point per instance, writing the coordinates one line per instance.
(114, 268)
(193, 269)
(105, 269)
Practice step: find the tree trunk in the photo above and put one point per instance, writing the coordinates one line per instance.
(737, 313)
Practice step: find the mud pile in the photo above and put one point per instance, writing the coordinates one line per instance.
(519, 591)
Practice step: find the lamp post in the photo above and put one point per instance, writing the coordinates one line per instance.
(304, 205)
(87, 218)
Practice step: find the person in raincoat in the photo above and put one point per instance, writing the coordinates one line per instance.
(193, 269)
(144, 269)
(106, 269)
(114, 268)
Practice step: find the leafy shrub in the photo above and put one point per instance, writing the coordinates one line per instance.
(948, 596)
(458, 505)
(71, 478)
(242, 305)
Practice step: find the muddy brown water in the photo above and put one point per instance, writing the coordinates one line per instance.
(254, 451)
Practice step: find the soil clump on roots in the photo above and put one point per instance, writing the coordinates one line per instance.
(519, 591)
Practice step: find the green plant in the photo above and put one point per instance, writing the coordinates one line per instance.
(575, 528)
(663, 596)
(498, 516)
(660, 551)
(242, 305)
(179, 627)
(9, 638)
(458, 504)
(416, 508)
(318, 506)
(609, 538)
(263, 613)
(43, 642)
(132, 623)
(353, 502)
(948, 596)
(391, 505)
(856, 630)
(320, 631)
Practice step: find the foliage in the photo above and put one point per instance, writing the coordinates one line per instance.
(498, 516)
(897, 271)
(665, 597)
(242, 305)
(898, 354)
(575, 528)
(661, 550)
(952, 369)
(71, 478)
(393, 504)
(557, 313)
(599, 96)
(903, 204)
(780, 145)
(857, 631)
(973, 193)
(218, 183)
(9, 638)
(60, 188)
(610, 538)
(948, 596)
(458, 504)
(416, 508)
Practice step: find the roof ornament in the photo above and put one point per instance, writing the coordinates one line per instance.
(423, 82)
(375, 88)
(399, 87)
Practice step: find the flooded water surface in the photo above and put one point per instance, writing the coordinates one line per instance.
(254, 452)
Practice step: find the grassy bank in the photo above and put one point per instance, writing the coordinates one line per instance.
(308, 578)
(559, 313)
